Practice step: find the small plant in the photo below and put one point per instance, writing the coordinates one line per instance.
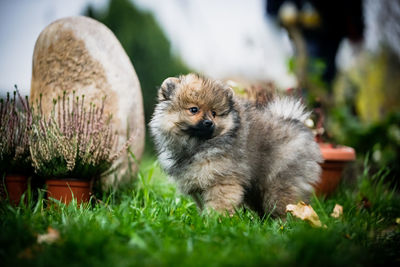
(15, 125)
(73, 142)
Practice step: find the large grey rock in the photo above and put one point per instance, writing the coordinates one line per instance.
(82, 55)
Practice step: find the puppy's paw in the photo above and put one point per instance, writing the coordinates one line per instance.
(224, 198)
(228, 212)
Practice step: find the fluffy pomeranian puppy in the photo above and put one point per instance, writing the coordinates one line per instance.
(226, 152)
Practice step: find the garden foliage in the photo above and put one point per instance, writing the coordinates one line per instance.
(73, 142)
(15, 125)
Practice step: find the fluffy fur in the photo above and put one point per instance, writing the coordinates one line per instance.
(226, 152)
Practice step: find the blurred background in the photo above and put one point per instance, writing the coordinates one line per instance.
(343, 57)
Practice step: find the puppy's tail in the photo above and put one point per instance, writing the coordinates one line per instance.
(288, 108)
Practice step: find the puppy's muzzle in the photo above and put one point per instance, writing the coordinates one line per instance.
(203, 130)
(207, 124)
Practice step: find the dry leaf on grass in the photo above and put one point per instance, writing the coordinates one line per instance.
(365, 203)
(50, 237)
(28, 253)
(304, 212)
(337, 211)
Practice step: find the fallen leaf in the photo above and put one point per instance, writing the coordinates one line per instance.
(398, 220)
(30, 252)
(26, 254)
(50, 237)
(304, 212)
(337, 211)
(365, 203)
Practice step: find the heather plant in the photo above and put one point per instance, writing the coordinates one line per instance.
(73, 142)
(15, 125)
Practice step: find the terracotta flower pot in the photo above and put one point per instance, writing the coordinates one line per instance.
(16, 184)
(65, 190)
(335, 158)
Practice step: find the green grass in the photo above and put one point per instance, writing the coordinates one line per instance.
(151, 224)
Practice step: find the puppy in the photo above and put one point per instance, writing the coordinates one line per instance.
(226, 152)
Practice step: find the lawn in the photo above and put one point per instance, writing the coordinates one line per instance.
(152, 224)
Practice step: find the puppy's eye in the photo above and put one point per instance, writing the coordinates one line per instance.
(213, 113)
(194, 110)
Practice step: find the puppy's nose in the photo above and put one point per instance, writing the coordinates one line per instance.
(207, 123)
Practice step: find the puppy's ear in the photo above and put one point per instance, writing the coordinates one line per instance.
(167, 88)
(229, 92)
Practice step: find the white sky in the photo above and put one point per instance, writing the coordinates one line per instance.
(225, 38)
(221, 38)
(21, 22)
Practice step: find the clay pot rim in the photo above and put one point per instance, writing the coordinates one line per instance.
(338, 153)
(17, 177)
(69, 181)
